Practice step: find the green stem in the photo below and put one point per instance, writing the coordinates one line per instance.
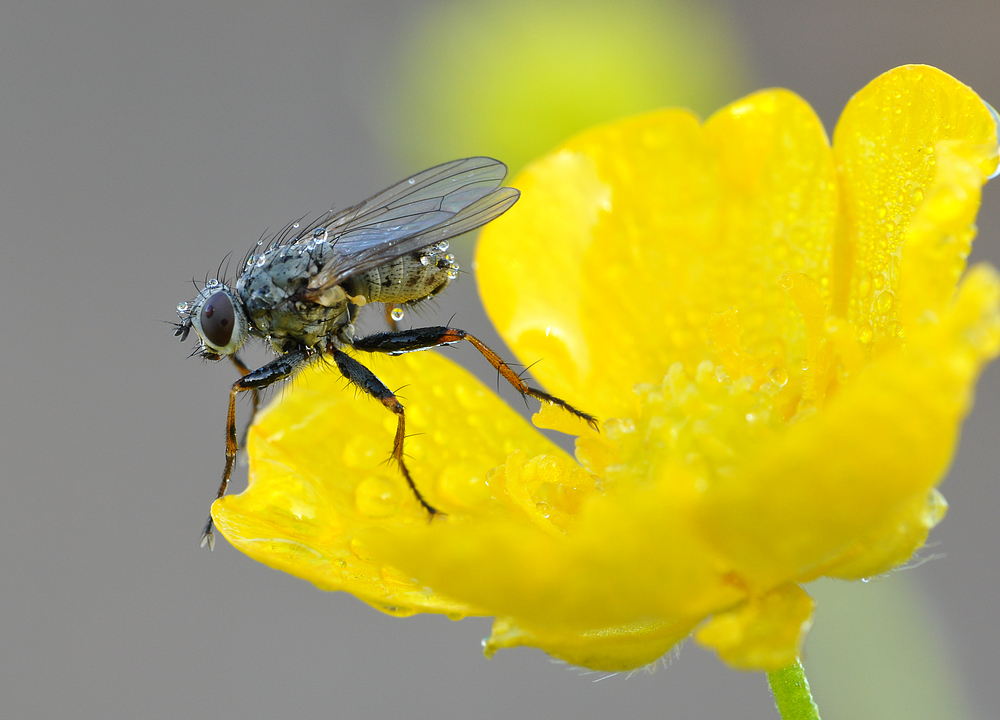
(791, 693)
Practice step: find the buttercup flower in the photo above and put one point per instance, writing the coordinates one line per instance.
(778, 334)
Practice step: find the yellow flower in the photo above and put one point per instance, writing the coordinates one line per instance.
(777, 334)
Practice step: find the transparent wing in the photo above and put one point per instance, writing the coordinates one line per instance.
(431, 206)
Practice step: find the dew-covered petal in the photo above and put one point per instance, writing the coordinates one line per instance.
(848, 490)
(888, 146)
(629, 238)
(940, 233)
(861, 468)
(631, 557)
(324, 493)
(764, 633)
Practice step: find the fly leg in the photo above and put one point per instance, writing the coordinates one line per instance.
(278, 369)
(365, 379)
(254, 396)
(404, 341)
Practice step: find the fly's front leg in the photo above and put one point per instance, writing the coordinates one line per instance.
(396, 343)
(278, 369)
(365, 379)
(254, 396)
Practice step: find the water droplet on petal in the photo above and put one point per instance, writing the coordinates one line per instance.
(360, 451)
(778, 375)
(397, 314)
(883, 303)
(376, 497)
(360, 549)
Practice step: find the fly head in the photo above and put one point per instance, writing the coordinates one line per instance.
(219, 319)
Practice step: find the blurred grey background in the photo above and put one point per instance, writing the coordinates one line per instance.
(142, 142)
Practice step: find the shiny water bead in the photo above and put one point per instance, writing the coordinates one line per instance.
(778, 376)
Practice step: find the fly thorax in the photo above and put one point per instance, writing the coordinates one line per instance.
(272, 292)
(413, 277)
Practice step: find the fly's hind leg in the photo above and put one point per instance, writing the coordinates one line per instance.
(365, 379)
(396, 343)
(252, 381)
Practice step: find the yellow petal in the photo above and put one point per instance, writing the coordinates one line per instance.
(875, 449)
(888, 544)
(611, 649)
(888, 436)
(618, 560)
(323, 492)
(765, 633)
(643, 230)
(888, 144)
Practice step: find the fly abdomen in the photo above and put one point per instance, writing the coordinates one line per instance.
(413, 277)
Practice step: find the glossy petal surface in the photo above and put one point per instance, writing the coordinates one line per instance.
(324, 493)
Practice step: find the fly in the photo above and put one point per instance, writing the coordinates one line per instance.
(302, 292)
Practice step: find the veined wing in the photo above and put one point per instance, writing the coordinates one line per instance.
(431, 206)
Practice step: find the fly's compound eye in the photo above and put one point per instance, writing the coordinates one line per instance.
(219, 320)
